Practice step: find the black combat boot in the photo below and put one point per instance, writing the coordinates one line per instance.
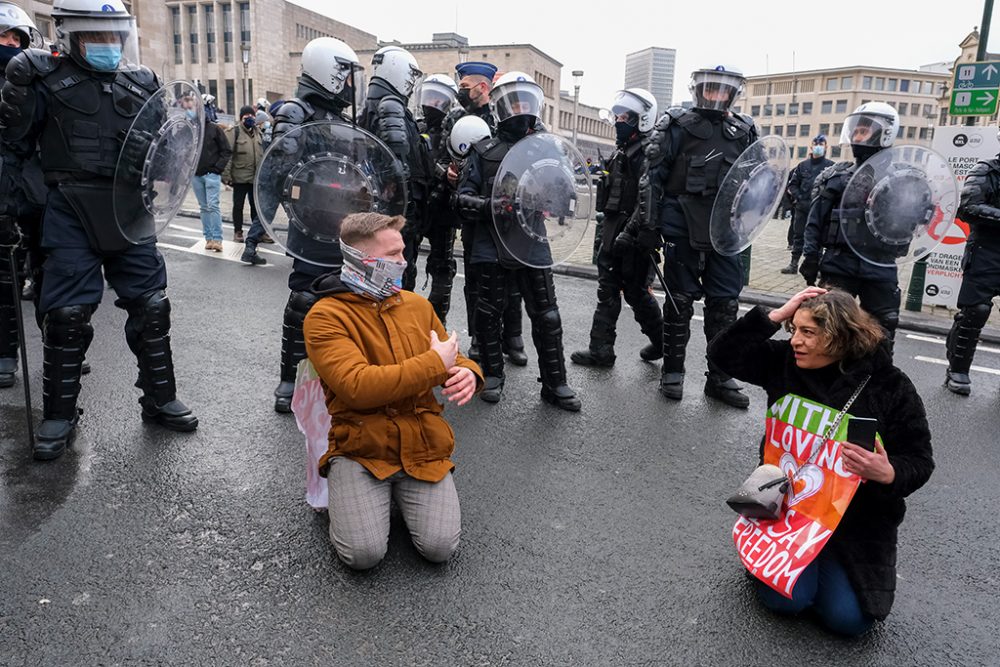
(793, 265)
(513, 347)
(676, 332)
(67, 334)
(293, 346)
(725, 389)
(961, 347)
(601, 351)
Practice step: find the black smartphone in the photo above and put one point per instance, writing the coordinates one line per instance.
(861, 431)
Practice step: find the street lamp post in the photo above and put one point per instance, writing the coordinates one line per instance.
(577, 73)
(245, 53)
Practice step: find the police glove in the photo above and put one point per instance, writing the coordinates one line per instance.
(9, 234)
(134, 152)
(649, 239)
(471, 206)
(810, 269)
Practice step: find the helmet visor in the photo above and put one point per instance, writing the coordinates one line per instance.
(625, 103)
(715, 90)
(519, 98)
(864, 130)
(107, 40)
(433, 94)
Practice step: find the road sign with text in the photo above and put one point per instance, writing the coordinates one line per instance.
(975, 89)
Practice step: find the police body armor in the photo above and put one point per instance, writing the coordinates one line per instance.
(491, 153)
(710, 148)
(80, 145)
(830, 185)
(980, 203)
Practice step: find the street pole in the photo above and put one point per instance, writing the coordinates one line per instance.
(984, 36)
(245, 53)
(576, 102)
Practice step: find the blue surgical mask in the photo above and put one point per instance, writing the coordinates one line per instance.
(191, 114)
(104, 57)
(819, 151)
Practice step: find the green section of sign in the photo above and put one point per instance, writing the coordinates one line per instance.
(975, 89)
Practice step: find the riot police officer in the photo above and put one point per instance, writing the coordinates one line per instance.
(474, 85)
(326, 88)
(800, 185)
(22, 199)
(869, 129)
(688, 155)
(76, 106)
(386, 115)
(516, 102)
(980, 207)
(635, 113)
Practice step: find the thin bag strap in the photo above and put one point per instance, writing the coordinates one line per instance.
(836, 422)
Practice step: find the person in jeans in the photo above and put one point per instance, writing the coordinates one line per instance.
(239, 174)
(215, 154)
(380, 351)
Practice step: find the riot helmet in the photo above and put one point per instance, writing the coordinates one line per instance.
(332, 65)
(716, 88)
(438, 91)
(639, 105)
(397, 67)
(516, 95)
(16, 20)
(99, 35)
(207, 99)
(466, 132)
(872, 125)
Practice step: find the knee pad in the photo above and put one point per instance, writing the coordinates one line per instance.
(69, 325)
(549, 320)
(889, 320)
(297, 307)
(685, 307)
(975, 317)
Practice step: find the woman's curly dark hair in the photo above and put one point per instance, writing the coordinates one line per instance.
(851, 333)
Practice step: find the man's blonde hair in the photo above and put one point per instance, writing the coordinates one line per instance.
(360, 227)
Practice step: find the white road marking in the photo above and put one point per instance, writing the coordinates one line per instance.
(231, 251)
(941, 341)
(943, 362)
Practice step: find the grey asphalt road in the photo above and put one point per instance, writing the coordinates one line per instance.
(598, 538)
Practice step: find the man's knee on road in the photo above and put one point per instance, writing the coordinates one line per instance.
(438, 545)
(361, 556)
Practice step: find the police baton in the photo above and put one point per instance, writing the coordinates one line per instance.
(15, 293)
(654, 259)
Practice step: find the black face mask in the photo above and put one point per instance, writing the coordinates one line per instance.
(465, 99)
(624, 132)
(518, 126)
(433, 116)
(862, 153)
(7, 53)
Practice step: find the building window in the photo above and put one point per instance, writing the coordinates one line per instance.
(192, 12)
(737, 109)
(835, 151)
(923, 133)
(767, 110)
(927, 88)
(911, 132)
(779, 130)
(44, 25)
(904, 85)
(899, 132)
(807, 108)
(841, 106)
(802, 151)
(793, 109)
(245, 24)
(891, 86)
(837, 129)
(903, 108)
(866, 82)
(826, 106)
(790, 130)
(227, 32)
(755, 110)
(928, 111)
(209, 33)
(765, 130)
(175, 25)
(230, 97)
(846, 82)
(864, 101)
(760, 89)
(804, 130)
(807, 85)
(880, 83)
(831, 83)
(824, 128)
(213, 90)
(779, 109)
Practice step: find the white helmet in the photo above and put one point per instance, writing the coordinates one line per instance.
(438, 91)
(73, 18)
(207, 98)
(516, 94)
(873, 124)
(716, 88)
(636, 101)
(333, 66)
(14, 18)
(466, 131)
(397, 67)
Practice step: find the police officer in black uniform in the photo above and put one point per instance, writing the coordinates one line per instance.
(326, 88)
(474, 85)
(871, 128)
(23, 199)
(516, 101)
(386, 115)
(800, 185)
(635, 113)
(689, 153)
(77, 106)
(980, 207)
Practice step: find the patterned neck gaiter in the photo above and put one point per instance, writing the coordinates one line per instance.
(375, 277)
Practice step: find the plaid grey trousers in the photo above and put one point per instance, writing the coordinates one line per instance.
(359, 513)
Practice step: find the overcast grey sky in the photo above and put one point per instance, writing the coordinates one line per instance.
(758, 37)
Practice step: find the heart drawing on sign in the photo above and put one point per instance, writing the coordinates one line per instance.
(808, 479)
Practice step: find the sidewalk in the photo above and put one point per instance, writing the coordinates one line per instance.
(768, 286)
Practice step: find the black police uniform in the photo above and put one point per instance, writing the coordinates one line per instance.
(513, 343)
(877, 287)
(630, 275)
(386, 115)
(800, 185)
(980, 207)
(688, 155)
(77, 116)
(312, 103)
(496, 268)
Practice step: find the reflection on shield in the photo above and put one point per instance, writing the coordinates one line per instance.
(157, 162)
(890, 202)
(542, 201)
(315, 175)
(748, 195)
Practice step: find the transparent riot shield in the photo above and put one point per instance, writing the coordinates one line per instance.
(314, 175)
(898, 205)
(749, 195)
(542, 200)
(157, 162)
